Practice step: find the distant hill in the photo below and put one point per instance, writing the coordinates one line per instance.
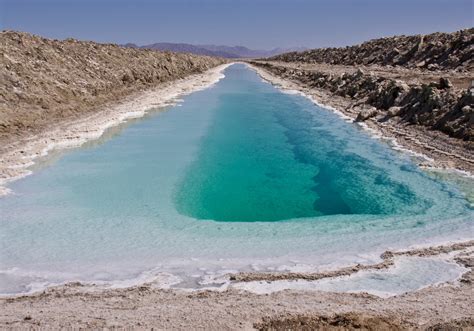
(244, 52)
(188, 48)
(216, 50)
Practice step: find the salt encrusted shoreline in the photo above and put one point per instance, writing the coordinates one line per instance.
(429, 156)
(20, 155)
(387, 262)
(77, 305)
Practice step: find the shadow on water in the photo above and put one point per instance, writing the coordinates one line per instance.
(329, 201)
(347, 183)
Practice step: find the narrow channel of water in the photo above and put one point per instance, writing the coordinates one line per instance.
(238, 177)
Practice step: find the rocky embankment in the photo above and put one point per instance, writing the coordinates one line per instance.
(44, 82)
(437, 105)
(436, 51)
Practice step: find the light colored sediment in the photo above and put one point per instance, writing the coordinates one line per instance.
(17, 156)
(437, 149)
(77, 306)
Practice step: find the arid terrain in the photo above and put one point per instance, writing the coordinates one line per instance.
(47, 81)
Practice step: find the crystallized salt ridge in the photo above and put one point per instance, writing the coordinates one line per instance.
(396, 280)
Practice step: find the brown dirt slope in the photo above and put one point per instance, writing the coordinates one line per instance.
(43, 81)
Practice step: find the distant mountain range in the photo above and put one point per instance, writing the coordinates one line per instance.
(217, 50)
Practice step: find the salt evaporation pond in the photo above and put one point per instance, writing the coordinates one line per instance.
(237, 177)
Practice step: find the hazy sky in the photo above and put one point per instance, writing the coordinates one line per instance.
(254, 23)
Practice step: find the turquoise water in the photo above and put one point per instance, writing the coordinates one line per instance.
(266, 157)
(237, 177)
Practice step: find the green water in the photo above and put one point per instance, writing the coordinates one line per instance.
(266, 157)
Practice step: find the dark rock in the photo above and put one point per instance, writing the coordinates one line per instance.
(445, 83)
(467, 110)
(360, 72)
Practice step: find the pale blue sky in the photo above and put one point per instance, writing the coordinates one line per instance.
(254, 23)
